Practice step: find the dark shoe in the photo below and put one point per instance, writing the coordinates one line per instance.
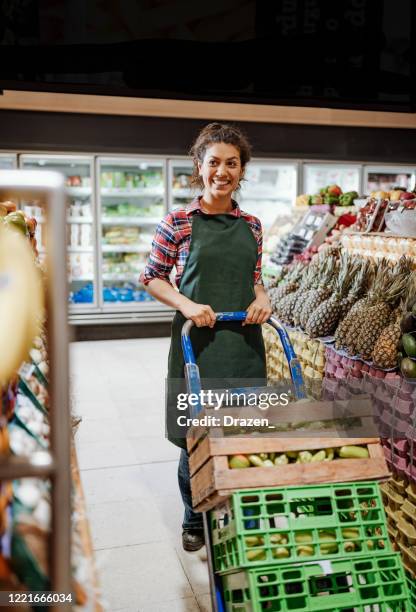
(192, 539)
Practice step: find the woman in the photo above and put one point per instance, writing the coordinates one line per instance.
(217, 250)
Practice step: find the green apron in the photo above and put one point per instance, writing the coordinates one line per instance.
(219, 271)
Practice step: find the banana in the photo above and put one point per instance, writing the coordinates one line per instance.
(319, 456)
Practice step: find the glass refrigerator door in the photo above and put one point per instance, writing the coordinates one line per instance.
(81, 226)
(268, 191)
(7, 162)
(181, 192)
(132, 202)
(385, 178)
(317, 176)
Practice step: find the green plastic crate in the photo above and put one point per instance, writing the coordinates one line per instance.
(366, 584)
(271, 526)
(411, 585)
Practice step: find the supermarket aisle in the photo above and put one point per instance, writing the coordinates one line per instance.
(128, 471)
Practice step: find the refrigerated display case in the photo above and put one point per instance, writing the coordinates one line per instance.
(81, 228)
(268, 190)
(8, 162)
(179, 178)
(316, 176)
(132, 200)
(385, 178)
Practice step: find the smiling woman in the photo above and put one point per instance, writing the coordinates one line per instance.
(216, 249)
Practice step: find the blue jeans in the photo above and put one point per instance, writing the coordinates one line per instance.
(191, 519)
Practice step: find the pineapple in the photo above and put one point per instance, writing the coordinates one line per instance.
(385, 349)
(378, 316)
(362, 278)
(324, 319)
(356, 316)
(320, 293)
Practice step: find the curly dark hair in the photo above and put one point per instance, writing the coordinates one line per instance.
(215, 133)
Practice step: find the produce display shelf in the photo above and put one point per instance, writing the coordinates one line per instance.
(292, 524)
(82, 528)
(367, 583)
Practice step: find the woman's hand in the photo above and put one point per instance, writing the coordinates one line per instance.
(260, 310)
(201, 314)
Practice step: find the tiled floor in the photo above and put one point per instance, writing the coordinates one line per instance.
(128, 471)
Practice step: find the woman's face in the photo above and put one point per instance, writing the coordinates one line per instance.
(221, 169)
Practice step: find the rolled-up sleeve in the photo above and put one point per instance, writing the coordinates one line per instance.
(163, 255)
(258, 278)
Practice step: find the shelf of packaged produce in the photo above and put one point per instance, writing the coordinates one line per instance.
(79, 249)
(78, 191)
(121, 276)
(125, 248)
(80, 219)
(130, 220)
(133, 193)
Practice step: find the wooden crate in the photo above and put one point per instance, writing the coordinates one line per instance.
(212, 480)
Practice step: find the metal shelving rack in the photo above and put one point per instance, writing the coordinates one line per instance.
(55, 465)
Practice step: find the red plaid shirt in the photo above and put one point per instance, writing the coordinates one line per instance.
(170, 246)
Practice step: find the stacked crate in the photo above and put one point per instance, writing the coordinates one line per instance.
(399, 498)
(317, 547)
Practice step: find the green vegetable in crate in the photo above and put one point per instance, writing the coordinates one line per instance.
(328, 548)
(319, 456)
(280, 553)
(253, 541)
(281, 460)
(238, 461)
(329, 454)
(305, 551)
(303, 537)
(292, 454)
(256, 555)
(304, 457)
(350, 533)
(255, 460)
(353, 452)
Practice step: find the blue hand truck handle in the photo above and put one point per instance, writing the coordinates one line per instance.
(191, 368)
